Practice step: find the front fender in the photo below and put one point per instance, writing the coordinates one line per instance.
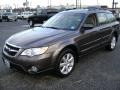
(59, 48)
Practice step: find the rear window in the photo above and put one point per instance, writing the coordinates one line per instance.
(111, 17)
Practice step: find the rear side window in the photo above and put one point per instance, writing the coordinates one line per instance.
(111, 17)
(102, 19)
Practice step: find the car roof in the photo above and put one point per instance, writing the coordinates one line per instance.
(87, 11)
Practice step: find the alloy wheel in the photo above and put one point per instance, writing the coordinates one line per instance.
(67, 63)
(113, 42)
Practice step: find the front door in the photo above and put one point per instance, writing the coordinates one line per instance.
(89, 37)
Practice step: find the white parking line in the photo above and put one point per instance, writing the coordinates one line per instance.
(79, 81)
(25, 26)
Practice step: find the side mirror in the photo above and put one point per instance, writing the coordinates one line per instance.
(88, 26)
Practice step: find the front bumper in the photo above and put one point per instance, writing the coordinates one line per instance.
(41, 62)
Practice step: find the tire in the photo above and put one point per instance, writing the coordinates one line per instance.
(112, 44)
(31, 23)
(22, 18)
(15, 20)
(8, 20)
(65, 63)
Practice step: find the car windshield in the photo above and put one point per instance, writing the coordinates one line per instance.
(65, 21)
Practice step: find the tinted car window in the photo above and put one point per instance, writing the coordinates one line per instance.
(102, 19)
(111, 17)
(7, 14)
(67, 21)
(91, 20)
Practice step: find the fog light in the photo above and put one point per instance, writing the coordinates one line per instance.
(33, 69)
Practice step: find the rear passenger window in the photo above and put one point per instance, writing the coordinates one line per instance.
(102, 19)
(91, 20)
(111, 17)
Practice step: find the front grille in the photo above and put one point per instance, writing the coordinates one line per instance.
(11, 50)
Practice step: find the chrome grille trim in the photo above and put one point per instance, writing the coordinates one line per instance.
(11, 50)
(13, 45)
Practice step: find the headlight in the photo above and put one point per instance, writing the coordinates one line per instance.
(34, 51)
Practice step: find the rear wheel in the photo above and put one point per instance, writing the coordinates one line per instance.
(112, 44)
(0, 20)
(66, 63)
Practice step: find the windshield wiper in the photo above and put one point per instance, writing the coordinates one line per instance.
(52, 27)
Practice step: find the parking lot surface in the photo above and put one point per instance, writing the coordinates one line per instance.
(99, 70)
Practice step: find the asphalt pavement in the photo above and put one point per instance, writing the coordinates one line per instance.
(99, 70)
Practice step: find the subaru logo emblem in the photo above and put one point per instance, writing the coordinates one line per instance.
(8, 48)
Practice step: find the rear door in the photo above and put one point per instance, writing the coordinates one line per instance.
(105, 26)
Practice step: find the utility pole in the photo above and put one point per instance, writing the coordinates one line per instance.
(80, 4)
(49, 3)
(76, 3)
(97, 2)
(26, 3)
(113, 3)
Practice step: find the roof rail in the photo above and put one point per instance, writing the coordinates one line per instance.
(94, 8)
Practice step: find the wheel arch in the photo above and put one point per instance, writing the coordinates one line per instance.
(72, 47)
(115, 33)
(62, 48)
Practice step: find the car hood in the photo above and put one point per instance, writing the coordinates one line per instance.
(37, 37)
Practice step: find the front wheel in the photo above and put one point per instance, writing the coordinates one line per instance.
(112, 44)
(66, 62)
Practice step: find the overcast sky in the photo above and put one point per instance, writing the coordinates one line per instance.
(34, 3)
